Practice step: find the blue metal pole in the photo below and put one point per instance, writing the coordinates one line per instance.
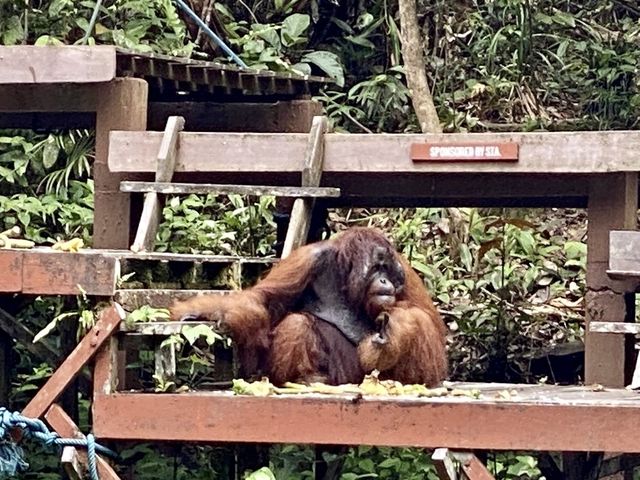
(210, 33)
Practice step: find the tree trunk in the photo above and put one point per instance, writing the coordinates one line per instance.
(415, 68)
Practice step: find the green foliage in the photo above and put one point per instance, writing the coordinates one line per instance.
(142, 25)
(207, 224)
(44, 184)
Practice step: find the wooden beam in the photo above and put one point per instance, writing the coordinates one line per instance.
(444, 465)
(613, 204)
(62, 273)
(220, 189)
(615, 327)
(122, 105)
(585, 422)
(472, 468)
(108, 322)
(540, 153)
(11, 266)
(50, 97)
(131, 299)
(162, 328)
(31, 64)
(64, 426)
(298, 230)
(71, 463)
(152, 208)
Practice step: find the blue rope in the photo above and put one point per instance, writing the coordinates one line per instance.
(210, 33)
(12, 456)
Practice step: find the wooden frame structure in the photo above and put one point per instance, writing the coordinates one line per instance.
(121, 93)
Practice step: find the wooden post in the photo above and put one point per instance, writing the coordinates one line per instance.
(613, 204)
(122, 106)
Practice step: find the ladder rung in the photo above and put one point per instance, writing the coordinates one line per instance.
(133, 298)
(160, 328)
(183, 257)
(222, 189)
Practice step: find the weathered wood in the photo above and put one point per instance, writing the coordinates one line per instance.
(11, 266)
(44, 97)
(165, 361)
(50, 272)
(71, 367)
(472, 468)
(311, 174)
(131, 299)
(127, 255)
(152, 208)
(614, 327)
(65, 427)
(148, 226)
(70, 461)
(613, 204)
(221, 189)
(443, 462)
(566, 152)
(162, 328)
(576, 418)
(65, 64)
(121, 106)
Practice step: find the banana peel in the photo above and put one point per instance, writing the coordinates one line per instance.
(370, 386)
(73, 245)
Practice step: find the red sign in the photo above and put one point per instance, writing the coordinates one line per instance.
(464, 152)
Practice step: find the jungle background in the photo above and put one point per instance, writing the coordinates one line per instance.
(509, 283)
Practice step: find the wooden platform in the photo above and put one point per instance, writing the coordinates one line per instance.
(548, 418)
(28, 64)
(44, 271)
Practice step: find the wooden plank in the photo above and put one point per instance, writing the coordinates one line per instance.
(11, 266)
(298, 230)
(166, 161)
(162, 328)
(47, 97)
(62, 273)
(131, 299)
(613, 205)
(127, 255)
(473, 468)
(152, 208)
(464, 152)
(540, 152)
(223, 189)
(30, 64)
(109, 320)
(122, 105)
(615, 327)
(70, 461)
(443, 462)
(64, 426)
(148, 225)
(578, 424)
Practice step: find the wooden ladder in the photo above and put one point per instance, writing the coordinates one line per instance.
(143, 245)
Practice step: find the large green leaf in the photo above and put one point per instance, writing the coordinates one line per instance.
(327, 62)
